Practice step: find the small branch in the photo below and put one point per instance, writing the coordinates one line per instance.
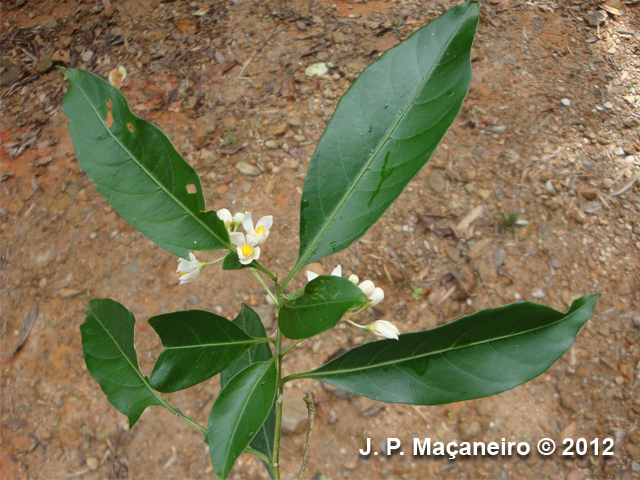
(311, 408)
(264, 285)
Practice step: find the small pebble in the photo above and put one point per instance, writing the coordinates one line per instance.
(538, 293)
(86, 56)
(550, 188)
(608, 105)
(619, 151)
(566, 102)
(93, 463)
(498, 128)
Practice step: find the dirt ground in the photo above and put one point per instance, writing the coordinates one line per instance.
(550, 131)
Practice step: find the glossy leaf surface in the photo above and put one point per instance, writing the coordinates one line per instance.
(249, 321)
(197, 346)
(475, 356)
(110, 355)
(238, 413)
(383, 131)
(325, 300)
(137, 169)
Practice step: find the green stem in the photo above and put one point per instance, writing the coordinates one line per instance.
(264, 285)
(275, 461)
(266, 271)
(286, 350)
(182, 415)
(259, 455)
(206, 264)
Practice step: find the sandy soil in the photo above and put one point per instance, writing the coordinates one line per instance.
(548, 131)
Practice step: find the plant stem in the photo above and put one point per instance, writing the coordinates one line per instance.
(259, 455)
(286, 350)
(266, 271)
(311, 409)
(264, 285)
(275, 461)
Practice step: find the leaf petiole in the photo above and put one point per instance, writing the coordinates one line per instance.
(286, 350)
(264, 285)
(259, 455)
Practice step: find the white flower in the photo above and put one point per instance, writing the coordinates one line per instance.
(373, 293)
(385, 329)
(261, 230)
(354, 279)
(377, 296)
(367, 288)
(225, 216)
(337, 272)
(231, 223)
(248, 251)
(188, 269)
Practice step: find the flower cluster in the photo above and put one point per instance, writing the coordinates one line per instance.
(373, 293)
(381, 328)
(247, 245)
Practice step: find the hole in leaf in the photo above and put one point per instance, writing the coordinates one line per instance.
(191, 188)
(130, 127)
(109, 118)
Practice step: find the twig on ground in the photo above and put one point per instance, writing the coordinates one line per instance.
(246, 64)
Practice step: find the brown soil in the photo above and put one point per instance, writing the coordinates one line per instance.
(515, 147)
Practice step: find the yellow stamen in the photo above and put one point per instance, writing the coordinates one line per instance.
(261, 230)
(183, 273)
(246, 250)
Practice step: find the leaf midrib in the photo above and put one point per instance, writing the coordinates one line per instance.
(134, 159)
(365, 167)
(256, 341)
(244, 407)
(320, 372)
(135, 369)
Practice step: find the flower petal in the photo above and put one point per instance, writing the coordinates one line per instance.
(337, 272)
(252, 241)
(224, 215)
(377, 296)
(237, 238)
(385, 329)
(266, 222)
(238, 218)
(354, 279)
(367, 288)
(247, 223)
(311, 275)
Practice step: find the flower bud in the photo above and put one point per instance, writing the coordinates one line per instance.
(377, 296)
(354, 279)
(367, 288)
(385, 329)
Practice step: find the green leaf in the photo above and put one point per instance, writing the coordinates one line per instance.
(238, 413)
(137, 169)
(197, 346)
(110, 355)
(249, 321)
(325, 300)
(383, 131)
(232, 262)
(475, 356)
